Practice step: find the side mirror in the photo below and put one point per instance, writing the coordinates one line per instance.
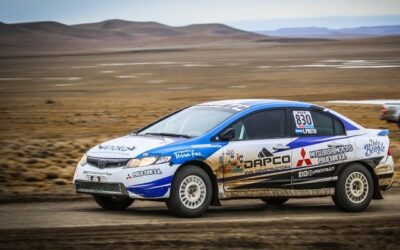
(227, 135)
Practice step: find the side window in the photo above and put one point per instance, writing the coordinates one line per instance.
(261, 125)
(338, 126)
(314, 123)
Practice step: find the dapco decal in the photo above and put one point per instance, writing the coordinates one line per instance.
(267, 158)
(374, 147)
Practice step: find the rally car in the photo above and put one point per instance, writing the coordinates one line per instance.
(268, 149)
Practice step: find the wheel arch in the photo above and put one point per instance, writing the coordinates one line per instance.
(214, 181)
(370, 167)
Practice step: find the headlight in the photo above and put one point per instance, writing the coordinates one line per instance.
(83, 160)
(146, 161)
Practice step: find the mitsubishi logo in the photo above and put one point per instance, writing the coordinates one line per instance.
(304, 160)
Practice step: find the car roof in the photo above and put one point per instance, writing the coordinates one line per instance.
(247, 103)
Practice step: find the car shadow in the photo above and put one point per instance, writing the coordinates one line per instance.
(226, 210)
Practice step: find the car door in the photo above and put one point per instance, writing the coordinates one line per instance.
(319, 147)
(253, 159)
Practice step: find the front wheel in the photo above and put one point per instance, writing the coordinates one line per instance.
(191, 192)
(275, 201)
(113, 203)
(354, 188)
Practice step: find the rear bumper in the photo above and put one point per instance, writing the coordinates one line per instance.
(385, 173)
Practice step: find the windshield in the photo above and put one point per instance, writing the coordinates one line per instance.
(190, 122)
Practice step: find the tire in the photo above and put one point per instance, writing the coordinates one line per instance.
(354, 188)
(113, 203)
(191, 192)
(275, 201)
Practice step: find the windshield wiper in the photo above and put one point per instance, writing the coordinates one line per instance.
(170, 134)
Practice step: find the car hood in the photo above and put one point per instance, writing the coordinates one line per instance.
(129, 146)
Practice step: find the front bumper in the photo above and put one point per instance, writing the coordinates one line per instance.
(100, 188)
(150, 182)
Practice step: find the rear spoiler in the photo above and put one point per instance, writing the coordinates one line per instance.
(378, 132)
(384, 132)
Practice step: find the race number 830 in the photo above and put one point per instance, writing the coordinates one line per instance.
(303, 119)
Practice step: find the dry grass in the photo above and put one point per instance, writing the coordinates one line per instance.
(47, 120)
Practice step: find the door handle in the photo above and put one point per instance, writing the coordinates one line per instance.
(335, 144)
(280, 147)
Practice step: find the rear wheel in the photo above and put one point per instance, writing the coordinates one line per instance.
(275, 201)
(354, 188)
(191, 192)
(113, 203)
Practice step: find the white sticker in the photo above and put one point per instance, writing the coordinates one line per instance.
(304, 122)
(303, 119)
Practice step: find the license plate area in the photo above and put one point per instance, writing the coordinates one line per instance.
(96, 178)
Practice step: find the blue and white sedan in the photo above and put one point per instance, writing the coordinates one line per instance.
(272, 150)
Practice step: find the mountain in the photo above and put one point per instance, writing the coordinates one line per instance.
(111, 35)
(132, 28)
(318, 32)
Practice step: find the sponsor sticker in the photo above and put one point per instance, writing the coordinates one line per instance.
(331, 155)
(115, 148)
(231, 162)
(374, 147)
(153, 171)
(96, 176)
(265, 161)
(312, 172)
(234, 106)
(266, 158)
(305, 160)
(190, 153)
(86, 172)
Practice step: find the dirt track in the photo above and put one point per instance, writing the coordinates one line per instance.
(237, 224)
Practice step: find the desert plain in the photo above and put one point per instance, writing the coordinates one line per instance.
(55, 107)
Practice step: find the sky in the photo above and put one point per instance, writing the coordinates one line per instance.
(245, 14)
